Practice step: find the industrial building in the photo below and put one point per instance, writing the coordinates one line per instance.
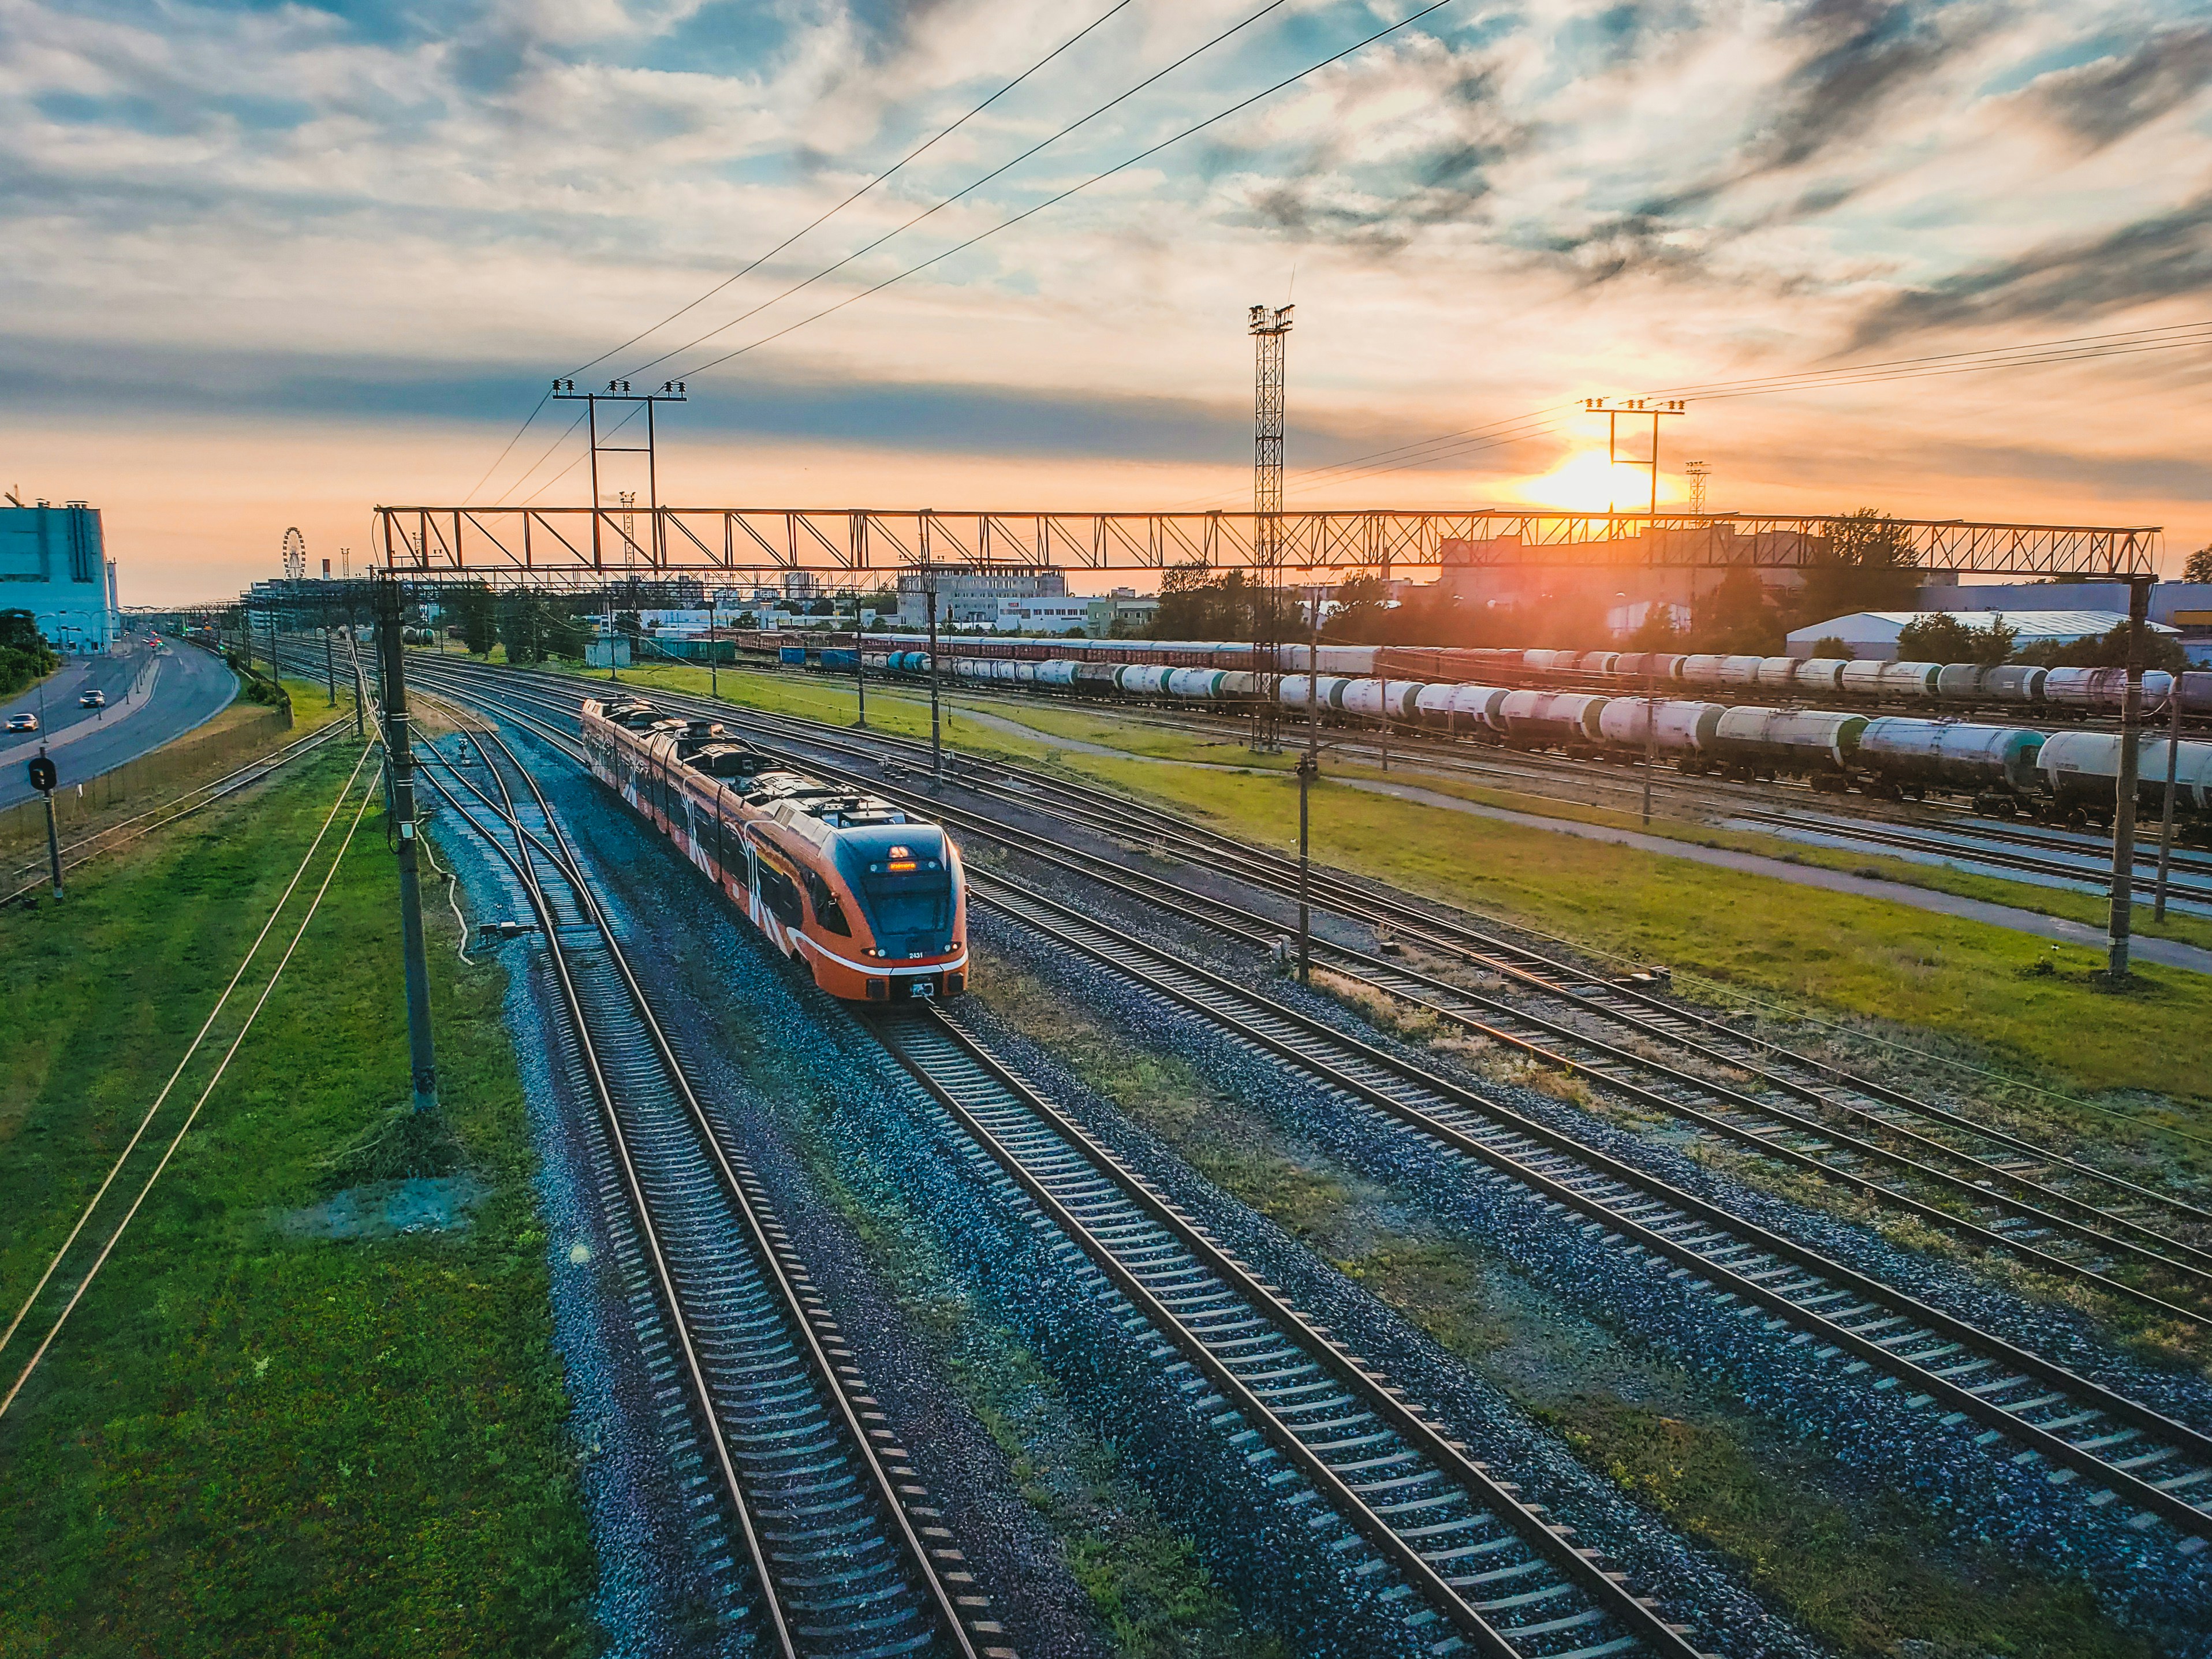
(974, 596)
(53, 564)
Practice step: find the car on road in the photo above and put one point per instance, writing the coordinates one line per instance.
(93, 699)
(22, 723)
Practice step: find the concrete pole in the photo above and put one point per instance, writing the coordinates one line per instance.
(2172, 770)
(400, 764)
(1308, 769)
(936, 734)
(2118, 931)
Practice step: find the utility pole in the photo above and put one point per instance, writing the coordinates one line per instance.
(1308, 769)
(714, 645)
(2123, 803)
(2172, 773)
(1270, 328)
(330, 663)
(1650, 726)
(860, 668)
(929, 593)
(400, 764)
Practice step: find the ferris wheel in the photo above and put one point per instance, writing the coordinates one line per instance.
(296, 555)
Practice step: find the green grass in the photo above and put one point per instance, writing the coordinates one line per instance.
(248, 1442)
(1857, 1568)
(2015, 993)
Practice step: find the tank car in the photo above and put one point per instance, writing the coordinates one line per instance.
(1327, 693)
(1682, 731)
(1776, 673)
(1819, 677)
(1899, 754)
(1758, 742)
(1382, 699)
(1703, 669)
(1598, 662)
(2082, 771)
(1916, 681)
(872, 901)
(1550, 719)
(1740, 672)
(1662, 666)
(1142, 679)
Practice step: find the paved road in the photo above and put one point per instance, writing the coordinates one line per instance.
(189, 689)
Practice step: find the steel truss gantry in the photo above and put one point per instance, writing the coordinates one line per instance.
(546, 544)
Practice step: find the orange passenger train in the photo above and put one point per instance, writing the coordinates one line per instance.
(874, 902)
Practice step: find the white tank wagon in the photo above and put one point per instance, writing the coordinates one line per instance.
(1393, 700)
(1703, 669)
(1860, 678)
(1554, 719)
(1820, 746)
(1681, 731)
(1903, 756)
(2082, 771)
(1327, 692)
(1665, 667)
(1776, 673)
(1142, 679)
(1817, 676)
(1740, 672)
(1916, 681)
(1462, 708)
(1206, 685)
(1056, 674)
(1598, 662)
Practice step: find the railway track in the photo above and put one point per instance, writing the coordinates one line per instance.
(2079, 1433)
(1378, 1481)
(2121, 1450)
(783, 1445)
(1991, 1187)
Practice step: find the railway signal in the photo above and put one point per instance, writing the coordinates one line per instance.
(44, 777)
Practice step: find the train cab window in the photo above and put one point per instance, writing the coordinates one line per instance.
(780, 894)
(828, 911)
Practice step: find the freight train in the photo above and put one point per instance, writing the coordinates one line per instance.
(874, 903)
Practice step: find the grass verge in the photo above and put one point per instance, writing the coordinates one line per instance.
(250, 1440)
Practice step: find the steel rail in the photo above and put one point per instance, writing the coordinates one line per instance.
(2127, 1235)
(1384, 1082)
(778, 1265)
(1296, 1330)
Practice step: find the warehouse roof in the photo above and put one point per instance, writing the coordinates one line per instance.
(1873, 633)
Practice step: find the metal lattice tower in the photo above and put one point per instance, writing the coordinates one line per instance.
(1698, 472)
(1270, 329)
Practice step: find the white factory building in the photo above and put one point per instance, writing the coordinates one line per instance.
(53, 564)
(1873, 634)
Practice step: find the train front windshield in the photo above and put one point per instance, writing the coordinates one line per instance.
(903, 880)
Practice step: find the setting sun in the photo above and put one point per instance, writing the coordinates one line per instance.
(1586, 483)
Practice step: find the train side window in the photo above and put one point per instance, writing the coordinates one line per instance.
(827, 911)
(780, 894)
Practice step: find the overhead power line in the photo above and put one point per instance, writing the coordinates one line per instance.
(820, 220)
(966, 189)
(824, 218)
(1073, 189)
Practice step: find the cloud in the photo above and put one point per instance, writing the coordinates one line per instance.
(2154, 259)
(2102, 102)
